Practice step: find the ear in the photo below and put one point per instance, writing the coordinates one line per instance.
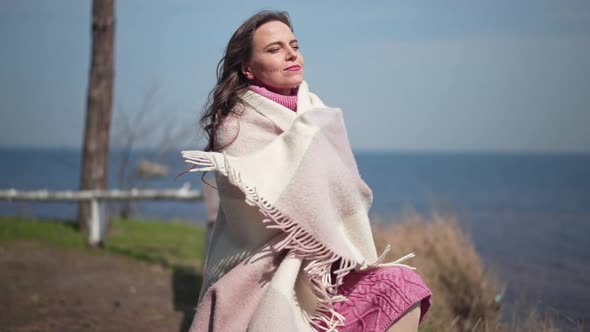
(247, 71)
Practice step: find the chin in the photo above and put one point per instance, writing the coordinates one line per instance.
(295, 82)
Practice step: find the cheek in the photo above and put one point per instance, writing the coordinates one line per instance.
(268, 66)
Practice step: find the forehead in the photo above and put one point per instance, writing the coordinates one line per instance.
(272, 32)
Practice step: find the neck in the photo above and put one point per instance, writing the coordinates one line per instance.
(284, 91)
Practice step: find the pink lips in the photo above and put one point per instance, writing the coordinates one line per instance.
(294, 68)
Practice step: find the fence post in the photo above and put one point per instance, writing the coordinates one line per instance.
(97, 222)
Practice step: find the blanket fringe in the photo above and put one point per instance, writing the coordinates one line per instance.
(299, 241)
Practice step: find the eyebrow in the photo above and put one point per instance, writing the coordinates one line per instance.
(280, 43)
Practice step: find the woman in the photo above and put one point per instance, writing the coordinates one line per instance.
(292, 248)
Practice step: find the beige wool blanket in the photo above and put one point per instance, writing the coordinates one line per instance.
(292, 221)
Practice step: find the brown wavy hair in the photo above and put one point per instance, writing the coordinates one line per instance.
(231, 82)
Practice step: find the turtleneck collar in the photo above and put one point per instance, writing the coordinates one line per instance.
(289, 102)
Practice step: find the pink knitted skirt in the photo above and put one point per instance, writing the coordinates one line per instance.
(379, 297)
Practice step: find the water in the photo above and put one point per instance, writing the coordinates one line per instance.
(528, 215)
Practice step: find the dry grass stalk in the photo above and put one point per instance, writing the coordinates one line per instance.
(465, 293)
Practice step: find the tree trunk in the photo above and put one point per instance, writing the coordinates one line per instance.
(99, 104)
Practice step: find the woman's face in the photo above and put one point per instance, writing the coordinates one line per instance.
(275, 62)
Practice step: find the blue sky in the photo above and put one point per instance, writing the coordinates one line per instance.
(410, 75)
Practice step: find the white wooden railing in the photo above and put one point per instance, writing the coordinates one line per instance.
(98, 198)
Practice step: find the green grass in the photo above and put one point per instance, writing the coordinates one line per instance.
(170, 244)
(52, 232)
(167, 243)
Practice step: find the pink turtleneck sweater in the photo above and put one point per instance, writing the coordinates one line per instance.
(289, 102)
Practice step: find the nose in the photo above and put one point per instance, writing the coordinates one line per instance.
(291, 54)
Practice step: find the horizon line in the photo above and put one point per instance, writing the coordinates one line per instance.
(355, 150)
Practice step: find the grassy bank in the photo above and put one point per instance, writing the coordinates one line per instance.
(467, 296)
(171, 244)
